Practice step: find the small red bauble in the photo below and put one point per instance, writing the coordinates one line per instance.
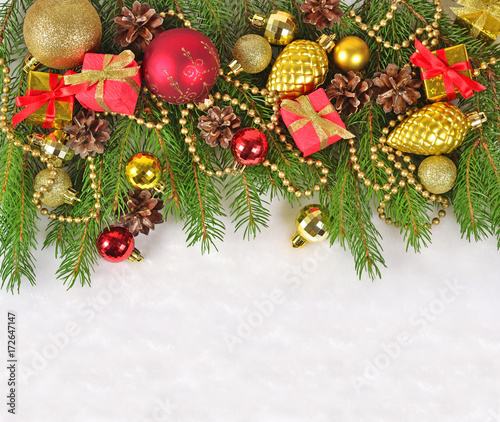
(249, 146)
(181, 65)
(115, 244)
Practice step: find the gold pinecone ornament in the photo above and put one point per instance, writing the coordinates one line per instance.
(301, 67)
(437, 128)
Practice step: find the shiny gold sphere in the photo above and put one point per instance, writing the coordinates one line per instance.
(438, 174)
(253, 53)
(143, 171)
(311, 225)
(55, 195)
(58, 33)
(351, 53)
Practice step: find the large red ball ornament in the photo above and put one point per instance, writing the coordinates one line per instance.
(115, 244)
(181, 66)
(249, 146)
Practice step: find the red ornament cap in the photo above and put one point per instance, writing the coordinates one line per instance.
(249, 146)
(181, 65)
(115, 244)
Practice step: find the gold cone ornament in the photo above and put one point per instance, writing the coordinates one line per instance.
(311, 226)
(437, 128)
(301, 67)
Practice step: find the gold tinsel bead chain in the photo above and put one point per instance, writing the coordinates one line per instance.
(257, 120)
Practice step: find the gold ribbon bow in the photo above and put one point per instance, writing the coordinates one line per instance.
(323, 127)
(113, 69)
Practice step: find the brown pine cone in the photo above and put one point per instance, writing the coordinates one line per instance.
(395, 89)
(350, 93)
(143, 213)
(321, 13)
(88, 135)
(217, 126)
(137, 27)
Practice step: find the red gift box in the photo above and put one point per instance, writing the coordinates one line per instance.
(313, 122)
(113, 82)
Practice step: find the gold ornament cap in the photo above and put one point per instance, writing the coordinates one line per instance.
(311, 226)
(235, 67)
(258, 20)
(71, 196)
(135, 256)
(30, 63)
(327, 42)
(476, 119)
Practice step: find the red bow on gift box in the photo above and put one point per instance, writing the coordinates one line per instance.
(438, 65)
(34, 99)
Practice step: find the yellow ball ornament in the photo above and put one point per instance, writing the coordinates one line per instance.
(252, 54)
(311, 226)
(437, 174)
(351, 53)
(58, 33)
(144, 171)
(59, 192)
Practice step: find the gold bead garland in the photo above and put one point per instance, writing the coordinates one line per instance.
(431, 30)
(27, 148)
(394, 156)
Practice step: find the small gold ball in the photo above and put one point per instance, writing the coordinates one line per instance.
(351, 53)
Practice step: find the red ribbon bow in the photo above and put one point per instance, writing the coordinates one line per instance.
(438, 65)
(35, 99)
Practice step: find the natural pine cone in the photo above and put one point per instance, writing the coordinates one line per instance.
(395, 89)
(217, 126)
(143, 213)
(350, 93)
(321, 13)
(88, 135)
(137, 27)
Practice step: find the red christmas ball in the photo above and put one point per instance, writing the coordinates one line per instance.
(181, 66)
(249, 146)
(115, 244)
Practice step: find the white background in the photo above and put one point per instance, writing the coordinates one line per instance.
(262, 332)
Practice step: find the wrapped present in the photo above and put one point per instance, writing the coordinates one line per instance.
(48, 101)
(313, 122)
(482, 17)
(446, 72)
(113, 82)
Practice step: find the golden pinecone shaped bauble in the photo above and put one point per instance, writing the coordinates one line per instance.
(58, 33)
(437, 128)
(298, 70)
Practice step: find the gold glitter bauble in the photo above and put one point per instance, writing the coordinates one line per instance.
(351, 53)
(299, 69)
(58, 33)
(253, 53)
(143, 171)
(311, 226)
(55, 196)
(437, 174)
(437, 128)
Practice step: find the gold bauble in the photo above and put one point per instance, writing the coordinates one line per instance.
(58, 33)
(310, 225)
(253, 53)
(351, 53)
(143, 171)
(56, 194)
(437, 174)
(280, 27)
(437, 128)
(300, 68)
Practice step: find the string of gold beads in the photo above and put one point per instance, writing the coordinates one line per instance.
(27, 148)
(431, 30)
(391, 189)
